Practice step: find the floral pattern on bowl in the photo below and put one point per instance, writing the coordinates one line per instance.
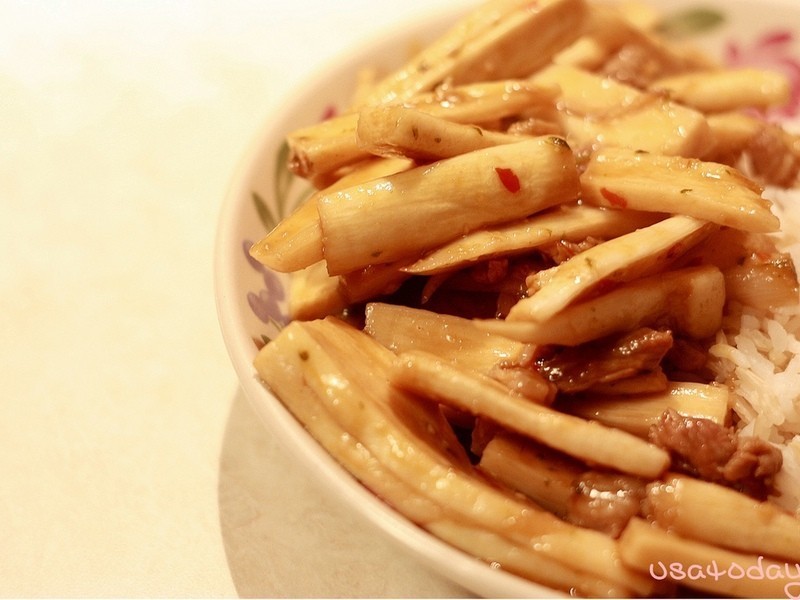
(774, 49)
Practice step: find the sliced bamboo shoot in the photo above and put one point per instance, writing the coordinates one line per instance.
(348, 373)
(396, 130)
(635, 414)
(324, 146)
(614, 29)
(371, 282)
(606, 32)
(318, 149)
(457, 339)
(313, 294)
(714, 192)
(718, 515)
(645, 383)
(704, 567)
(296, 242)
(721, 90)
(599, 112)
(401, 216)
(570, 223)
(488, 102)
(484, 45)
(429, 376)
(402, 328)
(689, 300)
(542, 475)
(641, 252)
(522, 560)
(281, 364)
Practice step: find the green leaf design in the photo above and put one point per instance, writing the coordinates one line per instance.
(264, 213)
(287, 197)
(283, 179)
(690, 22)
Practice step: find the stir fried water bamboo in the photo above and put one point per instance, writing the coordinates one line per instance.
(504, 287)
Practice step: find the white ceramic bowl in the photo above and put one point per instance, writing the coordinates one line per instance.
(251, 300)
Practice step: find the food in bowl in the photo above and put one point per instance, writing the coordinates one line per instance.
(539, 299)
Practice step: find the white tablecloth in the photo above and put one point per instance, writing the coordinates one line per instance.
(131, 465)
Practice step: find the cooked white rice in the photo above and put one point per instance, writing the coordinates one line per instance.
(758, 356)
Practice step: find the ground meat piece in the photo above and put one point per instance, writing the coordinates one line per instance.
(579, 368)
(753, 458)
(687, 360)
(634, 65)
(489, 273)
(775, 156)
(718, 454)
(700, 444)
(526, 382)
(605, 501)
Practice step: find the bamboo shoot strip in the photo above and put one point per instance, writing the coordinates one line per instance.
(618, 26)
(296, 242)
(689, 300)
(544, 476)
(371, 282)
(642, 252)
(488, 102)
(323, 147)
(569, 223)
(458, 340)
(704, 567)
(402, 328)
(431, 377)
(737, 521)
(636, 413)
(484, 46)
(721, 90)
(520, 559)
(599, 112)
(349, 372)
(282, 366)
(704, 190)
(402, 131)
(314, 294)
(403, 215)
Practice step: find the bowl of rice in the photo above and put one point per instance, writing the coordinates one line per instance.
(550, 347)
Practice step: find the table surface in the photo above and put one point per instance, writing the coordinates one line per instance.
(132, 465)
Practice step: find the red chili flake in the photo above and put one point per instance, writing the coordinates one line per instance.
(613, 199)
(329, 112)
(508, 178)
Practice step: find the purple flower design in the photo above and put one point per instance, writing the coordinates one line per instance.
(772, 50)
(266, 303)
